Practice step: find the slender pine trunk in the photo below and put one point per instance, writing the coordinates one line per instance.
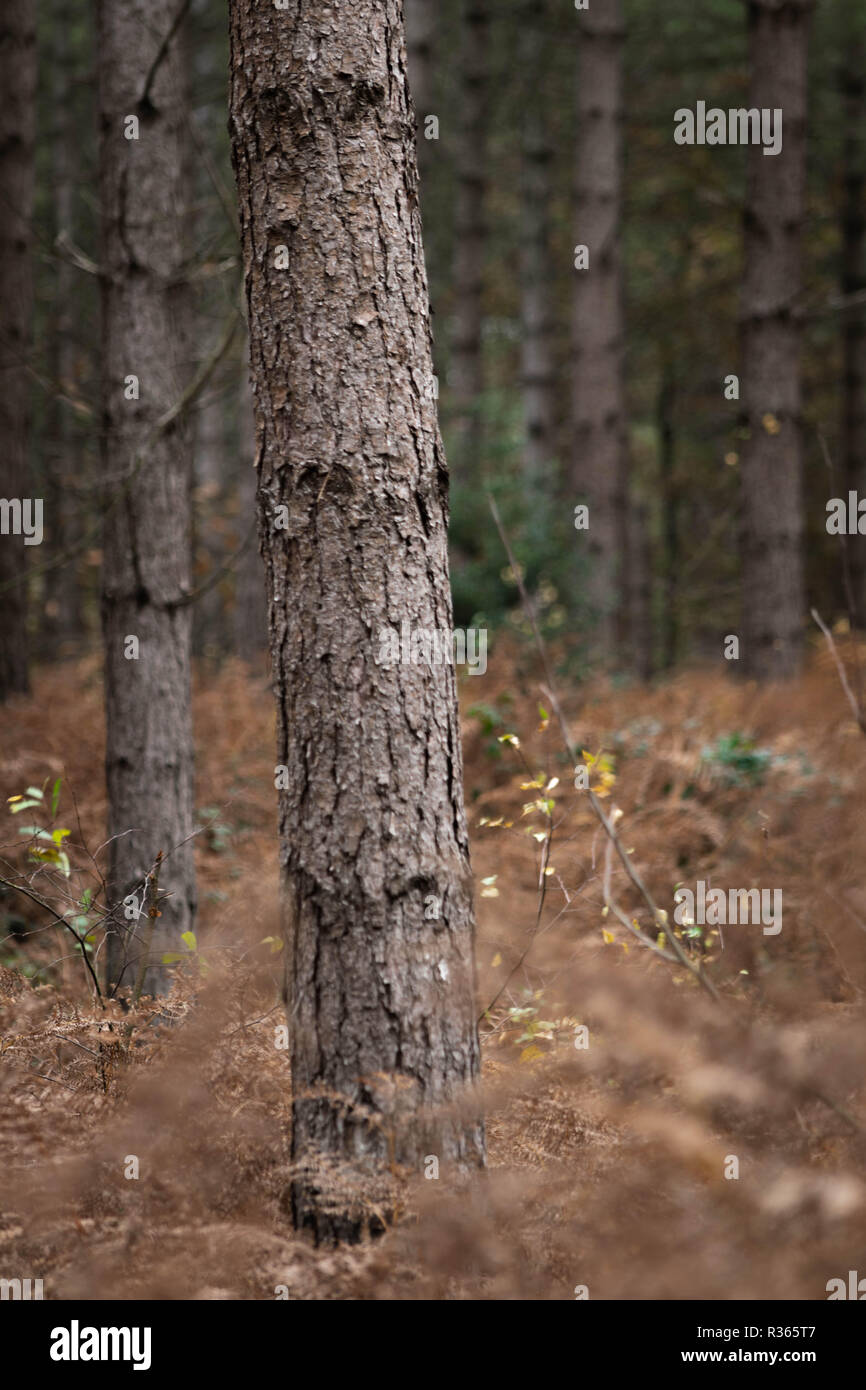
(147, 479)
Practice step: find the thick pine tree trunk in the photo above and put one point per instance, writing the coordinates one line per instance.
(536, 345)
(380, 991)
(600, 458)
(17, 138)
(146, 567)
(772, 465)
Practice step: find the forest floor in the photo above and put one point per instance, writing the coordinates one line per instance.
(610, 1166)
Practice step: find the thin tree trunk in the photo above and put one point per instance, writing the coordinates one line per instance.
(251, 609)
(466, 372)
(380, 991)
(600, 458)
(772, 465)
(17, 140)
(420, 37)
(536, 347)
(146, 568)
(62, 621)
(853, 82)
(670, 503)
(211, 468)
(640, 591)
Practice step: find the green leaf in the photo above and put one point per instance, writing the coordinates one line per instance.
(188, 938)
(87, 897)
(170, 957)
(23, 806)
(35, 830)
(55, 797)
(58, 836)
(34, 791)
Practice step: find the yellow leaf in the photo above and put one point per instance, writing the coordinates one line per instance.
(608, 936)
(530, 1053)
(497, 959)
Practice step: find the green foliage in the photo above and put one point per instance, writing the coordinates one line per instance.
(736, 761)
(50, 849)
(192, 954)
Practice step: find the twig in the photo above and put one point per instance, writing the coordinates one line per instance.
(659, 917)
(144, 100)
(40, 901)
(855, 707)
(152, 914)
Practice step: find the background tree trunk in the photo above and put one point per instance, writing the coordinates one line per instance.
(598, 402)
(146, 566)
(17, 138)
(251, 608)
(380, 997)
(772, 464)
(536, 346)
(62, 617)
(466, 371)
(640, 591)
(421, 22)
(669, 494)
(211, 470)
(853, 85)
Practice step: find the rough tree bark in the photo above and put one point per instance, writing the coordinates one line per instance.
(536, 345)
(772, 465)
(598, 402)
(17, 139)
(146, 566)
(380, 991)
